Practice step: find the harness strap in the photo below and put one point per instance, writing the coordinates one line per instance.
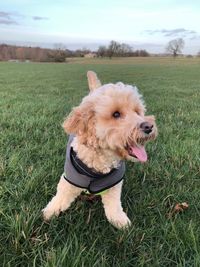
(82, 168)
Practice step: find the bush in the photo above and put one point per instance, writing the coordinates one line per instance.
(57, 56)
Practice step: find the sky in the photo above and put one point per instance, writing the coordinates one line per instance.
(144, 24)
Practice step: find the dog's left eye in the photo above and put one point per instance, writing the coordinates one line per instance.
(116, 114)
(137, 111)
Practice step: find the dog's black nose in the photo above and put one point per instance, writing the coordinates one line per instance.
(146, 127)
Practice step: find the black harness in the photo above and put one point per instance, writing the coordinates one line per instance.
(84, 169)
(80, 175)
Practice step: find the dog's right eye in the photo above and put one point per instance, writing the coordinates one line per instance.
(116, 114)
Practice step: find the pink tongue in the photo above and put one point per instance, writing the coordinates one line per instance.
(140, 153)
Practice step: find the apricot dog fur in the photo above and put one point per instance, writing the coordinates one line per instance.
(109, 126)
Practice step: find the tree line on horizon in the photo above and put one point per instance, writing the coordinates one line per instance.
(116, 49)
(22, 53)
(60, 53)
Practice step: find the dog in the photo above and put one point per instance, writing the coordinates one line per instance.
(107, 128)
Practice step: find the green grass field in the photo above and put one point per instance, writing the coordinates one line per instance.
(34, 99)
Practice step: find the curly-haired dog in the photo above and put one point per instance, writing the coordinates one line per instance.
(108, 127)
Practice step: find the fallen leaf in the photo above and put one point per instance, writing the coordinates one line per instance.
(179, 207)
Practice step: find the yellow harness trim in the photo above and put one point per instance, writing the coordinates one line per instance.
(97, 194)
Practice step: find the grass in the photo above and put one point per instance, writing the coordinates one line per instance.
(34, 99)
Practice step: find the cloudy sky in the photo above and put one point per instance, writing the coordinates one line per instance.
(148, 24)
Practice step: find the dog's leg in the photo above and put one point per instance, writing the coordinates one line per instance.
(66, 193)
(113, 209)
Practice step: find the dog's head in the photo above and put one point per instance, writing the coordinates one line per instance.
(112, 117)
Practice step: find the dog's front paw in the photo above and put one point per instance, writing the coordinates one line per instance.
(47, 213)
(120, 220)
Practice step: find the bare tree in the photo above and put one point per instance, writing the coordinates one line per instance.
(113, 49)
(175, 46)
(102, 51)
(125, 50)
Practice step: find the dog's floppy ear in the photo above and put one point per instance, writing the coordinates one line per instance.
(93, 81)
(78, 120)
